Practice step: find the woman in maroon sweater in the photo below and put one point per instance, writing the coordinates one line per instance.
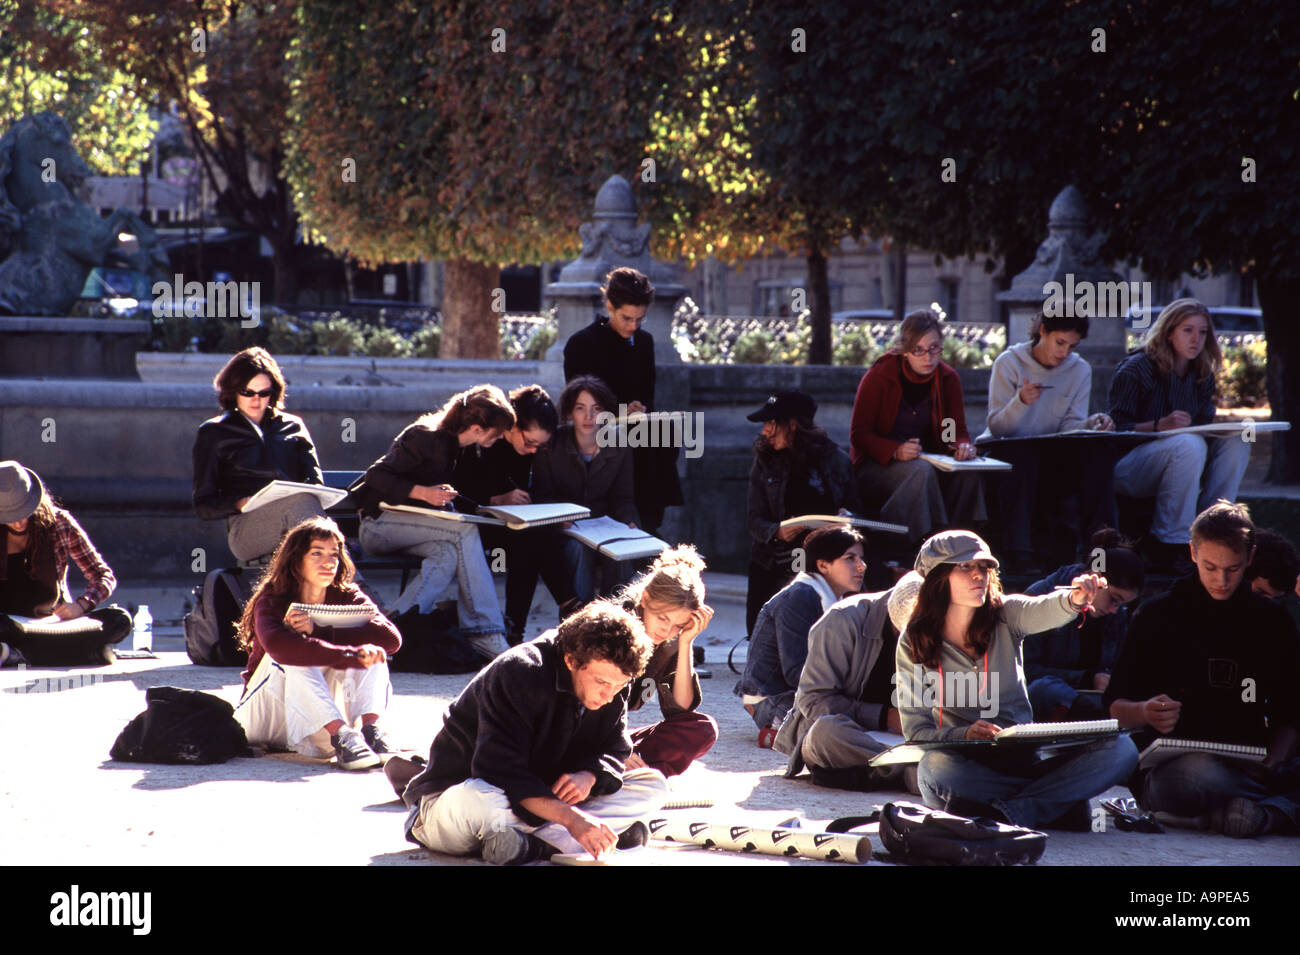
(307, 682)
(908, 402)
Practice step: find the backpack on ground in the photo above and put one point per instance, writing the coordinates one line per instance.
(432, 643)
(181, 726)
(210, 637)
(918, 835)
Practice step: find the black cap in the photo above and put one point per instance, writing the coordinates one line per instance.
(785, 405)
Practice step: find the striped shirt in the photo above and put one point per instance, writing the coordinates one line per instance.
(1139, 393)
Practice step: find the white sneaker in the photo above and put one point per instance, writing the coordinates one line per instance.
(489, 645)
(351, 749)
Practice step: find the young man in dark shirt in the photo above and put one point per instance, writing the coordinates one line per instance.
(1213, 661)
(529, 761)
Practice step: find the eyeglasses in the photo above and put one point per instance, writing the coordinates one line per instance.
(926, 352)
(530, 444)
(245, 393)
(971, 566)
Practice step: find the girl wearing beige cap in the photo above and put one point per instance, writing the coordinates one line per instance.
(959, 677)
(40, 539)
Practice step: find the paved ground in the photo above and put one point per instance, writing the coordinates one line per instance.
(65, 803)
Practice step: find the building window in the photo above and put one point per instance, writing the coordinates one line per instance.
(947, 295)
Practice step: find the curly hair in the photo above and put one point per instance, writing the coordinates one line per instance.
(282, 579)
(627, 286)
(603, 630)
(931, 611)
(674, 580)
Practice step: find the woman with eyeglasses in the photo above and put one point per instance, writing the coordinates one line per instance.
(958, 677)
(778, 647)
(253, 442)
(669, 600)
(908, 402)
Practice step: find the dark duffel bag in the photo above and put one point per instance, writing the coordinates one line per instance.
(918, 835)
(181, 726)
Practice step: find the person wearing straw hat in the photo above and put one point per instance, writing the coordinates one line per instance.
(959, 677)
(40, 540)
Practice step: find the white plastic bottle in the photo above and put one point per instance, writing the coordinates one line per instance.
(142, 632)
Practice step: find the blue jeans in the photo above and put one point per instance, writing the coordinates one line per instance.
(593, 574)
(1048, 693)
(1198, 783)
(772, 710)
(451, 553)
(1030, 795)
(1185, 474)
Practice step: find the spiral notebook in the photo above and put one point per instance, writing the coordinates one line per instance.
(517, 517)
(615, 539)
(946, 462)
(52, 625)
(278, 490)
(1046, 738)
(335, 615)
(813, 521)
(1165, 749)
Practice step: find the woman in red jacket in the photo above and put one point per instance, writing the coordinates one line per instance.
(306, 682)
(908, 402)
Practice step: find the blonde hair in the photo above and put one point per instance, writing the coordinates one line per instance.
(675, 579)
(1157, 347)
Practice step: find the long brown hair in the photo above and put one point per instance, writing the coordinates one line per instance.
(484, 405)
(282, 579)
(931, 612)
(1161, 353)
(39, 551)
(675, 580)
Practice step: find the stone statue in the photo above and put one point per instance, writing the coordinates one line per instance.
(49, 238)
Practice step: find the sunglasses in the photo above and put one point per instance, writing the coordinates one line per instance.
(246, 393)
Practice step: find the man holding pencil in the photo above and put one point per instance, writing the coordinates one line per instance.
(530, 759)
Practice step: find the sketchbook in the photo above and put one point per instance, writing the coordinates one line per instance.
(517, 517)
(1046, 738)
(1226, 428)
(1164, 749)
(615, 539)
(946, 462)
(278, 490)
(821, 520)
(53, 625)
(1221, 428)
(335, 615)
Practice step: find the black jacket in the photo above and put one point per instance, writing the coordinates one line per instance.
(768, 481)
(1201, 651)
(419, 455)
(231, 461)
(483, 473)
(605, 485)
(519, 727)
(627, 366)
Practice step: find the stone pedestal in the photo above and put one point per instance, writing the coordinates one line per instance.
(40, 347)
(612, 239)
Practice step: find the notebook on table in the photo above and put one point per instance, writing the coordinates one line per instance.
(615, 539)
(813, 521)
(52, 625)
(516, 517)
(335, 615)
(1045, 738)
(278, 490)
(946, 462)
(1165, 748)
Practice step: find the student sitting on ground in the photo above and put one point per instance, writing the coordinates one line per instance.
(1042, 387)
(417, 470)
(909, 401)
(668, 599)
(530, 760)
(307, 685)
(1211, 660)
(779, 643)
(846, 692)
(581, 467)
(797, 470)
(1169, 384)
(254, 442)
(503, 475)
(959, 677)
(1275, 572)
(40, 540)
(1074, 658)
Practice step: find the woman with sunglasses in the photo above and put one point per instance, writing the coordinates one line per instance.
(253, 442)
(958, 677)
(908, 402)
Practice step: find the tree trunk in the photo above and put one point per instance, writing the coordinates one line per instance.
(285, 271)
(1277, 297)
(819, 347)
(470, 328)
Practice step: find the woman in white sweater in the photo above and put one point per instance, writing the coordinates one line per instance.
(959, 677)
(1042, 387)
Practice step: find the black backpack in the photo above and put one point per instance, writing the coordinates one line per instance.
(918, 835)
(181, 726)
(210, 637)
(431, 643)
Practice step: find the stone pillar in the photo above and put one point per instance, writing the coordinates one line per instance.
(611, 239)
(1069, 256)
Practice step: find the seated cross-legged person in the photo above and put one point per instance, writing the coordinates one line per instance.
(779, 644)
(1210, 660)
(531, 758)
(846, 692)
(307, 685)
(959, 677)
(1069, 667)
(1168, 384)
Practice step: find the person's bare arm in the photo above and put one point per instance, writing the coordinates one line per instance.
(590, 833)
(1160, 712)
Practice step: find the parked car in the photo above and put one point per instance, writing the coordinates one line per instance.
(1228, 319)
